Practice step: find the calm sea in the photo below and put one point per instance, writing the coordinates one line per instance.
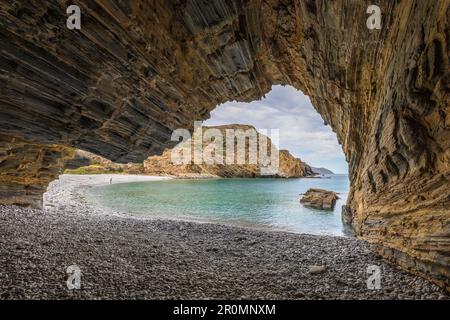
(261, 203)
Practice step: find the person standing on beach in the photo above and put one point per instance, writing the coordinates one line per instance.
(110, 180)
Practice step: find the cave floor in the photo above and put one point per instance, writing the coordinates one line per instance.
(122, 257)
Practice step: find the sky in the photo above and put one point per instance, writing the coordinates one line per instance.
(302, 130)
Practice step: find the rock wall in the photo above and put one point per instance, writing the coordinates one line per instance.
(27, 168)
(85, 162)
(139, 69)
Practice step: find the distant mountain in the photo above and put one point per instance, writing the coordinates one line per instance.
(322, 170)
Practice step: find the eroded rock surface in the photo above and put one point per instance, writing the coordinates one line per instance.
(26, 169)
(320, 199)
(139, 69)
(88, 163)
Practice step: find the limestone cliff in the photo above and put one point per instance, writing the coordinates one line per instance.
(137, 70)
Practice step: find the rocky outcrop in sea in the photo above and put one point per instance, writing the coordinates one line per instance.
(320, 199)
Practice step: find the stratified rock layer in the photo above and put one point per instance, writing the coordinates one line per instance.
(139, 69)
(26, 169)
(85, 162)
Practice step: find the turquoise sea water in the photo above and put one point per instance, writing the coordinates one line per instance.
(262, 203)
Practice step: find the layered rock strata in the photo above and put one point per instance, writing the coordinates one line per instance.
(139, 69)
(88, 163)
(27, 168)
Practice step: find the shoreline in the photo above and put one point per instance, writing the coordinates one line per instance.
(79, 192)
(127, 257)
(70, 190)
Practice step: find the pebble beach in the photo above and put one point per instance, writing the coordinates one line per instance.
(126, 257)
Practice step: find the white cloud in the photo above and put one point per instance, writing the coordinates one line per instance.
(302, 130)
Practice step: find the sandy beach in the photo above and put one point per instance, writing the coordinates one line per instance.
(125, 257)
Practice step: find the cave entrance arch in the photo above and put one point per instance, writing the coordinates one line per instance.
(302, 131)
(137, 70)
(302, 137)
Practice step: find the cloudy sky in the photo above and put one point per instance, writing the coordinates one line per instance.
(302, 130)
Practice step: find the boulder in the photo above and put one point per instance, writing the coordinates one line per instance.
(320, 199)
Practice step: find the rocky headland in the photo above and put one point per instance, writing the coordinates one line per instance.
(163, 165)
(289, 166)
(322, 171)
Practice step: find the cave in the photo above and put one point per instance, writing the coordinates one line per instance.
(137, 70)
